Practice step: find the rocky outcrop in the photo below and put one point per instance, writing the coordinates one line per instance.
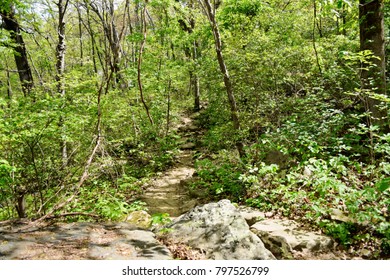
(79, 241)
(219, 231)
(212, 231)
(284, 238)
(251, 215)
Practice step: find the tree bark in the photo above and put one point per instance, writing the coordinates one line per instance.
(210, 11)
(193, 54)
(107, 17)
(11, 24)
(60, 66)
(140, 85)
(372, 38)
(80, 34)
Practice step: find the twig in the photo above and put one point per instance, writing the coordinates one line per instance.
(57, 216)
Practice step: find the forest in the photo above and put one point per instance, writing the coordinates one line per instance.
(289, 95)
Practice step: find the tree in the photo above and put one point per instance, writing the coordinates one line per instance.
(192, 52)
(139, 64)
(60, 66)
(210, 12)
(106, 14)
(372, 39)
(11, 24)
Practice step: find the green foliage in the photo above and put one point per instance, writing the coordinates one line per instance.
(219, 180)
(137, 206)
(312, 190)
(6, 191)
(161, 219)
(111, 209)
(311, 145)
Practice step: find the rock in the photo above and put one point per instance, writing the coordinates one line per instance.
(276, 157)
(251, 215)
(192, 128)
(188, 127)
(132, 245)
(366, 254)
(218, 230)
(338, 215)
(140, 219)
(307, 172)
(188, 146)
(81, 241)
(283, 238)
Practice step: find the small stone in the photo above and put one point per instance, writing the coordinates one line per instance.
(338, 215)
(307, 172)
(187, 146)
(365, 253)
(140, 219)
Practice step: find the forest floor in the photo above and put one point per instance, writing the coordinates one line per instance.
(167, 193)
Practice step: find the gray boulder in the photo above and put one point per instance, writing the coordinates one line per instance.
(283, 238)
(219, 231)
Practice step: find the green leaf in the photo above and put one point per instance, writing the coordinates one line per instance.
(383, 185)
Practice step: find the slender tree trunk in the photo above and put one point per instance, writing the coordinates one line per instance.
(344, 19)
(372, 38)
(168, 106)
(11, 24)
(61, 47)
(114, 41)
(107, 19)
(94, 49)
(60, 66)
(314, 36)
(193, 54)
(210, 11)
(196, 92)
(80, 34)
(140, 85)
(9, 85)
(196, 85)
(21, 206)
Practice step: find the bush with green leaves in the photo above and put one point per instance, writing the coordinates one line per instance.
(219, 179)
(314, 190)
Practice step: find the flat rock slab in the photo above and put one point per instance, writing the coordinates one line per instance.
(219, 231)
(283, 238)
(187, 146)
(188, 127)
(251, 215)
(168, 194)
(77, 241)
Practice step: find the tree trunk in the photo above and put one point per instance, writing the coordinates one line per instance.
(196, 86)
(372, 39)
(80, 34)
(140, 85)
(226, 77)
(193, 54)
(107, 18)
(196, 92)
(60, 66)
(11, 24)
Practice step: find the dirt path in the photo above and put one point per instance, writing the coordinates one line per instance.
(168, 193)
